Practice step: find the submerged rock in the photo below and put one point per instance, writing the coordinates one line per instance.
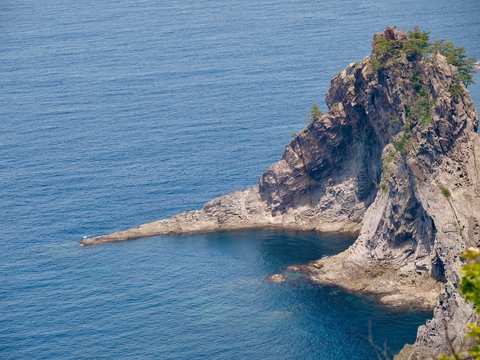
(395, 160)
(276, 278)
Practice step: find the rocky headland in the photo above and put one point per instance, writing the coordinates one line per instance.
(396, 161)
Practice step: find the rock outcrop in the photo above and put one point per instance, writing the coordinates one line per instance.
(396, 160)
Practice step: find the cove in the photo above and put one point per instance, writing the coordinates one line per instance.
(194, 296)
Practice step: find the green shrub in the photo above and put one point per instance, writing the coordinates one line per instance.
(314, 114)
(470, 289)
(389, 157)
(418, 44)
(421, 111)
(384, 182)
(417, 84)
(382, 47)
(384, 186)
(457, 56)
(424, 110)
(455, 89)
(402, 144)
(470, 284)
(444, 190)
(382, 50)
(376, 64)
(408, 111)
(316, 110)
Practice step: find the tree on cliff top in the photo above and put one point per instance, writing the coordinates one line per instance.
(416, 45)
(457, 56)
(314, 114)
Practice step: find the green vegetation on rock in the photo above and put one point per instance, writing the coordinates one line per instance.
(421, 110)
(470, 289)
(383, 49)
(444, 190)
(457, 56)
(417, 83)
(455, 89)
(314, 114)
(418, 44)
(386, 170)
(401, 145)
(415, 46)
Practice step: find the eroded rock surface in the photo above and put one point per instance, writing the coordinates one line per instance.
(396, 160)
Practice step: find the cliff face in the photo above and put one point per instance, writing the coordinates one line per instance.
(395, 159)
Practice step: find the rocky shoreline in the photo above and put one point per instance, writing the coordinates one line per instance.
(377, 281)
(396, 161)
(241, 210)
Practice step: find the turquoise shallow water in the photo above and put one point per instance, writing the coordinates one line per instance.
(115, 113)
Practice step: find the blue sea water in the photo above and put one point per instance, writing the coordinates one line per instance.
(115, 113)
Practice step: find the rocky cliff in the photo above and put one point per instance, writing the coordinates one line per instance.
(396, 160)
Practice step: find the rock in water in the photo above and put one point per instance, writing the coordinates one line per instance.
(396, 160)
(276, 278)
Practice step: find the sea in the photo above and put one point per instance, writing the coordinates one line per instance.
(117, 113)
